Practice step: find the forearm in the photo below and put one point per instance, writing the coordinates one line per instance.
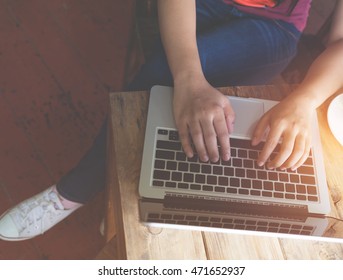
(324, 77)
(177, 20)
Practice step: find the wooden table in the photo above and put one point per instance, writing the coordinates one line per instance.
(128, 112)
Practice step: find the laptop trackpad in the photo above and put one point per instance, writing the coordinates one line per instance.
(248, 112)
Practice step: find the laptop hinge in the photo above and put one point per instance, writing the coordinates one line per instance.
(236, 206)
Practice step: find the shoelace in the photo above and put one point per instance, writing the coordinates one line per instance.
(32, 212)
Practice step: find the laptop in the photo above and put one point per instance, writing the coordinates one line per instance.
(238, 186)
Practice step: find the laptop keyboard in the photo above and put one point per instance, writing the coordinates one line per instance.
(231, 223)
(239, 176)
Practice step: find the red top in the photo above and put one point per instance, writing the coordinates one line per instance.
(292, 11)
(256, 3)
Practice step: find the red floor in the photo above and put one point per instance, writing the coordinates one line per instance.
(59, 59)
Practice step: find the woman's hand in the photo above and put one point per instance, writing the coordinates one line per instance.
(204, 117)
(289, 122)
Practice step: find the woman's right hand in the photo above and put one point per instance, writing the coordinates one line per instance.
(204, 117)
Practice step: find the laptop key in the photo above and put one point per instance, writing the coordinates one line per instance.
(170, 184)
(168, 145)
(267, 194)
(242, 153)
(211, 180)
(311, 190)
(219, 189)
(308, 180)
(234, 182)
(161, 175)
(207, 188)
(177, 176)
(301, 189)
(283, 177)
(159, 164)
(248, 163)
(205, 168)
(188, 177)
(195, 168)
(290, 188)
(195, 187)
(301, 197)
(280, 187)
(246, 183)
(312, 198)
(182, 186)
(262, 175)
(255, 192)
(218, 170)
(237, 162)
(174, 135)
(223, 181)
(294, 178)
(243, 191)
(162, 131)
(256, 184)
(180, 156)
(157, 183)
(305, 170)
(239, 172)
(183, 166)
(200, 179)
(251, 174)
(278, 195)
(171, 165)
(289, 196)
(228, 171)
(231, 190)
(161, 154)
(267, 185)
(273, 176)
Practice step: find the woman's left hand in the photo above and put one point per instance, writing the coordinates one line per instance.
(290, 124)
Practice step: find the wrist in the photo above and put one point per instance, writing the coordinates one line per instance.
(307, 97)
(189, 75)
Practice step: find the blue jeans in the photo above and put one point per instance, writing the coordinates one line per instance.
(235, 48)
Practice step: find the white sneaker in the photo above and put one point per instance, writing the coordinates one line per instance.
(33, 216)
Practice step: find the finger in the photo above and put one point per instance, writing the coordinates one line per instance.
(297, 153)
(210, 138)
(271, 142)
(304, 156)
(185, 140)
(223, 137)
(260, 130)
(285, 151)
(198, 140)
(230, 117)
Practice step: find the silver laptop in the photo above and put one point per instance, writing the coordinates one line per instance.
(169, 177)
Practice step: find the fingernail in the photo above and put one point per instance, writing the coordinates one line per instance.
(260, 163)
(189, 154)
(205, 158)
(215, 159)
(226, 156)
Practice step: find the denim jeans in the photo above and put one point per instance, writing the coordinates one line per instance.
(235, 48)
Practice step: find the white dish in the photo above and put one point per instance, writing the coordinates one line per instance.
(335, 117)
